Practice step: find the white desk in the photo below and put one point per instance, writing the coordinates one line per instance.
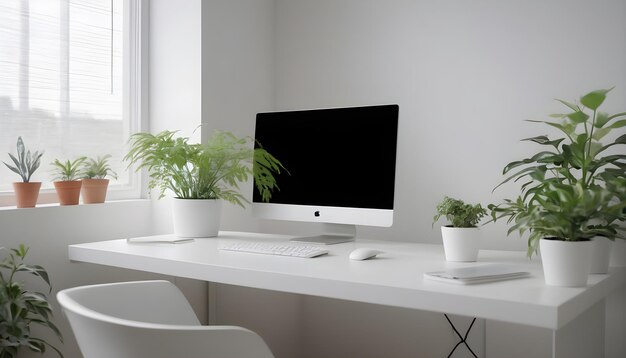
(394, 278)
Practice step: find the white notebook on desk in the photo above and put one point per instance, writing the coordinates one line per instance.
(477, 274)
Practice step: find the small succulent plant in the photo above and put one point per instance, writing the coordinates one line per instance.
(26, 163)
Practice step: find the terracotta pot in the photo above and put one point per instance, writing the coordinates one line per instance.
(26, 194)
(68, 191)
(94, 190)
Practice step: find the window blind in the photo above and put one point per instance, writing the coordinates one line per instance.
(61, 79)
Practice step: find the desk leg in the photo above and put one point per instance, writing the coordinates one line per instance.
(462, 338)
(582, 337)
(212, 302)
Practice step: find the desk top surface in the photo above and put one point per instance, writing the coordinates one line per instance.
(394, 278)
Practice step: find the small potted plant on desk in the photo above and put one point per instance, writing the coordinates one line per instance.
(461, 239)
(21, 309)
(26, 192)
(572, 192)
(95, 184)
(200, 175)
(66, 180)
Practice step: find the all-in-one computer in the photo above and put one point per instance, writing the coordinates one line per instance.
(340, 168)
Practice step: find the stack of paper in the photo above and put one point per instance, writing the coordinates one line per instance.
(477, 274)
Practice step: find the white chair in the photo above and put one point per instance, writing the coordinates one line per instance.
(149, 319)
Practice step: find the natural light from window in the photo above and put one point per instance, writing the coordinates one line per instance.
(61, 83)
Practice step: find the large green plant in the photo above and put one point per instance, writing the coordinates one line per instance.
(573, 190)
(21, 308)
(25, 162)
(211, 170)
(459, 213)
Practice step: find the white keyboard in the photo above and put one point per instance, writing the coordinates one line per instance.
(273, 248)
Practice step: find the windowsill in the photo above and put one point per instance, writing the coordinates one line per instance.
(48, 196)
(56, 206)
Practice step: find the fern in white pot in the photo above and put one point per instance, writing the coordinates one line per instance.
(202, 175)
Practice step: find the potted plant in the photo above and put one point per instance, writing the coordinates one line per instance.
(26, 192)
(200, 175)
(66, 177)
(21, 309)
(572, 192)
(462, 238)
(95, 183)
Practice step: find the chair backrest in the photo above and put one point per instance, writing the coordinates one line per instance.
(149, 319)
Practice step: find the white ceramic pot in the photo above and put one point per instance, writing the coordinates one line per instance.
(196, 217)
(618, 253)
(600, 255)
(460, 243)
(566, 263)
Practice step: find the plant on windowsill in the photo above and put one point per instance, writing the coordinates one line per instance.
(66, 181)
(25, 164)
(95, 183)
(200, 175)
(461, 239)
(572, 192)
(20, 309)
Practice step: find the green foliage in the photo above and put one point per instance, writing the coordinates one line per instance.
(570, 191)
(211, 170)
(25, 162)
(459, 213)
(20, 308)
(67, 170)
(98, 168)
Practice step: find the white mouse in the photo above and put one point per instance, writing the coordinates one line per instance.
(364, 254)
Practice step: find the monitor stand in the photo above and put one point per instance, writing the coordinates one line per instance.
(333, 234)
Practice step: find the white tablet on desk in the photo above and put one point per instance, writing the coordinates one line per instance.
(477, 274)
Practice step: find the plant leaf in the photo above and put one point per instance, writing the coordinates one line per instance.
(578, 117)
(594, 99)
(601, 119)
(544, 140)
(618, 124)
(571, 106)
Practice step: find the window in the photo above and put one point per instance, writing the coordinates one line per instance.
(67, 83)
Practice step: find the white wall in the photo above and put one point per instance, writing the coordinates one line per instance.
(175, 39)
(465, 74)
(175, 79)
(238, 82)
(237, 76)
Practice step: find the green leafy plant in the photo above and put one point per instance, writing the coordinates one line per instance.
(211, 170)
(25, 162)
(98, 168)
(67, 170)
(573, 190)
(21, 308)
(459, 213)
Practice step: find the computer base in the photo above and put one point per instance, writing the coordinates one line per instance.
(324, 239)
(332, 234)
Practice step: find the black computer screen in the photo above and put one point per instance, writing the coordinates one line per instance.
(343, 157)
